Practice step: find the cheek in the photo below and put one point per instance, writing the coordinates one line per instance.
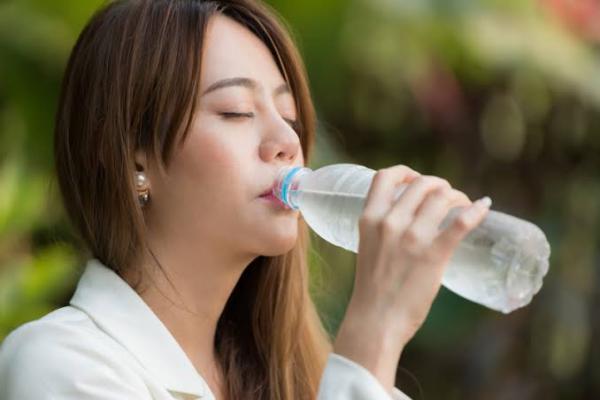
(205, 151)
(210, 173)
(209, 158)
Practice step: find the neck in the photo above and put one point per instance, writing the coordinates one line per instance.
(188, 293)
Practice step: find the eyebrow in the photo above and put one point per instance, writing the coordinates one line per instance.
(244, 82)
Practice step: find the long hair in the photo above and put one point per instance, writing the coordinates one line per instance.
(130, 84)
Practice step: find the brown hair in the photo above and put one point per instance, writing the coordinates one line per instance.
(127, 88)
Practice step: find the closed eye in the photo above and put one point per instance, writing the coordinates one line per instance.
(237, 115)
(234, 115)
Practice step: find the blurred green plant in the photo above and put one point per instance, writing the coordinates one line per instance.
(38, 269)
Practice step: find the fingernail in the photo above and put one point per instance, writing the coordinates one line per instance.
(484, 202)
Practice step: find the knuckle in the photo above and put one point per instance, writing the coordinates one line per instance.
(392, 172)
(381, 172)
(382, 176)
(403, 169)
(461, 223)
(421, 180)
(388, 227)
(442, 192)
(440, 182)
(366, 220)
(411, 236)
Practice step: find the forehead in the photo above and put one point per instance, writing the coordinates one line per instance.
(231, 50)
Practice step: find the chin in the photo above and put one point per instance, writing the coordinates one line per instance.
(277, 243)
(279, 247)
(275, 238)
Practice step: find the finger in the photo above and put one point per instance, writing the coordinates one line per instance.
(383, 187)
(429, 216)
(456, 198)
(466, 220)
(401, 214)
(459, 199)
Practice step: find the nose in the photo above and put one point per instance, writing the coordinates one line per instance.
(281, 142)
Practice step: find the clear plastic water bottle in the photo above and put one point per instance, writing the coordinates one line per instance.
(499, 264)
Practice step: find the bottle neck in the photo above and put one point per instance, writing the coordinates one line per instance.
(287, 184)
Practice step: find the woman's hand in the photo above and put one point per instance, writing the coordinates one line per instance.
(401, 259)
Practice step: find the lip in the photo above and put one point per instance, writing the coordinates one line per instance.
(273, 200)
(268, 192)
(272, 192)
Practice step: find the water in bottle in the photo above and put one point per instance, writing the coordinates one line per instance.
(499, 264)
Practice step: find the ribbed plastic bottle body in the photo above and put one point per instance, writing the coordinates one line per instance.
(500, 264)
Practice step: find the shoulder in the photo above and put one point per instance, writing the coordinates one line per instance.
(60, 355)
(37, 344)
(344, 379)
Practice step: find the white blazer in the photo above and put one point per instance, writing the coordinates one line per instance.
(108, 344)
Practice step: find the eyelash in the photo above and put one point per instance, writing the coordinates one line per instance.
(233, 115)
(236, 115)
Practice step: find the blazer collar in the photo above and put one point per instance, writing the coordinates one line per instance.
(120, 312)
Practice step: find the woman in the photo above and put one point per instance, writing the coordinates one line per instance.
(174, 119)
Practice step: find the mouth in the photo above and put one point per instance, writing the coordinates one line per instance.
(272, 193)
(269, 192)
(269, 196)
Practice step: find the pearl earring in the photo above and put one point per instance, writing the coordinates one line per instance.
(142, 188)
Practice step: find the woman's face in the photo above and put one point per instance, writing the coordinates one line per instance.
(239, 139)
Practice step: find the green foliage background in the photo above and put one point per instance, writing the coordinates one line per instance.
(502, 98)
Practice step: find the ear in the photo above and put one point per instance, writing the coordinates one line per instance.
(141, 161)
